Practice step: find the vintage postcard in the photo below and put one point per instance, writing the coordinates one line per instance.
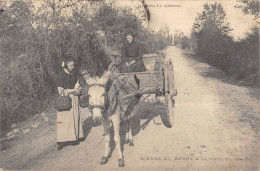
(129, 85)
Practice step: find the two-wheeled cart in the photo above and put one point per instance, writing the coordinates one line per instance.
(157, 85)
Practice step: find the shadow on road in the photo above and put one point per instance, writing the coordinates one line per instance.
(206, 70)
(146, 111)
(87, 126)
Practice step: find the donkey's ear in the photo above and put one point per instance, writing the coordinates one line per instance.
(106, 75)
(109, 84)
(89, 80)
(85, 74)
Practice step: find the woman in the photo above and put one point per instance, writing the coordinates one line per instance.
(69, 126)
(132, 55)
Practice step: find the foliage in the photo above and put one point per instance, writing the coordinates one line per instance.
(210, 31)
(212, 14)
(249, 7)
(214, 46)
(116, 22)
(239, 59)
(245, 58)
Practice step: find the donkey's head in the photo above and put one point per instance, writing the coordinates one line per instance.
(97, 96)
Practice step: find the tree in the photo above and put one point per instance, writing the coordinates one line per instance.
(249, 7)
(214, 46)
(246, 58)
(210, 32)
(238, 59)
(114, 22)
(212, 13)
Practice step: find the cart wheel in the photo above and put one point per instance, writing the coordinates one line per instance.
(168, 116)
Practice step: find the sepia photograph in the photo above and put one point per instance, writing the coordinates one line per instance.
(129, 85)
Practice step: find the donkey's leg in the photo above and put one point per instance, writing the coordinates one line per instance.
(116, 123)
(131, 141)
(129, 136)
(133, 108)
(105, 124)
(127, 131)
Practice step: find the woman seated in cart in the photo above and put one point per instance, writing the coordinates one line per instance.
(132, 61)
(132, 55)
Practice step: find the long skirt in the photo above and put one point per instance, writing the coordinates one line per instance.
(69, 125)
(138, 66)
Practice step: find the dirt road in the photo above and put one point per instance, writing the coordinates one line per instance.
(215, 129)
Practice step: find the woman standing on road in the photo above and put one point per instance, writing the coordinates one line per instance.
(132, 55)
(69, 125)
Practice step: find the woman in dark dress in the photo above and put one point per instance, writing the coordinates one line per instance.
(132, 56)
(69, 125)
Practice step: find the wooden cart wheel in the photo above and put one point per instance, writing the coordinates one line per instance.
(168, 116)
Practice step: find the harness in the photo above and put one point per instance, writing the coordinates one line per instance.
(121, 87)
(126, 105)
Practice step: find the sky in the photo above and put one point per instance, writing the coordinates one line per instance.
(180, 15)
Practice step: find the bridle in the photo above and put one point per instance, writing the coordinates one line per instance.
(92, 106)
(101, 107)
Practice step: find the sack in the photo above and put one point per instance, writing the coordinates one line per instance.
(63, 103)
(83, 101)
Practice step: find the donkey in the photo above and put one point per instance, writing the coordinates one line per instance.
(107, 107)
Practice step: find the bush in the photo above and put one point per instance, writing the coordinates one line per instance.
(245, 58)
(238, 59)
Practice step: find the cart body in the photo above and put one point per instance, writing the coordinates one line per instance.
(157, 84)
